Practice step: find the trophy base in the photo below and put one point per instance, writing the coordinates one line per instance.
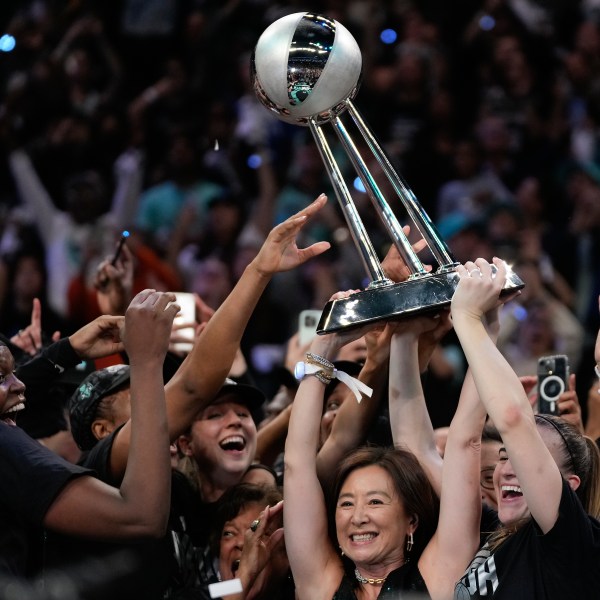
(427, 294)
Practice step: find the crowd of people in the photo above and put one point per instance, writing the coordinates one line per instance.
(404, 459)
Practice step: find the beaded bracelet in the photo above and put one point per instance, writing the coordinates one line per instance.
(315, 359)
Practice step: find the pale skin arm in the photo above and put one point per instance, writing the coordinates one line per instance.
(305, 514)
(444, 561)
(271, 438)
(352, 422)
(140, 508)
(409, 418)
(204, 370)
(503, 395)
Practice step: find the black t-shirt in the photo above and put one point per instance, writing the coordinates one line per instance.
(163, 568)
(563, 563)
(31, 476)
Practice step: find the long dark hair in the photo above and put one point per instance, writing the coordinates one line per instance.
(410, 483)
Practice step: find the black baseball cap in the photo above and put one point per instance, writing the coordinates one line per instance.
(244, 394)
(86, 398)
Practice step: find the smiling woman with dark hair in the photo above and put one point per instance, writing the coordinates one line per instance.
(248, 539)
(383, 508)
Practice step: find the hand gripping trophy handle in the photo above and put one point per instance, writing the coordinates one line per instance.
(306, 69)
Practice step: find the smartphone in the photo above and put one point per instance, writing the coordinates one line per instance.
(124, 236)
(553, 380)
(187, 314)
(307, 325)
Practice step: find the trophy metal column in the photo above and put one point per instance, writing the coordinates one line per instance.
(306, 69)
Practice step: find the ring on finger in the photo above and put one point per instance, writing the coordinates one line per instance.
(254, 525)
(478, 271)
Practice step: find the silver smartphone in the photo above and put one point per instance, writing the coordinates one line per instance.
(307, 325)
(187, 314)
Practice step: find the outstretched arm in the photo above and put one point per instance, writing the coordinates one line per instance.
(315, 565)
(204, 370)
(502, 393)
(353, 419)
(443, 562)
(409, 418)
(88, 507)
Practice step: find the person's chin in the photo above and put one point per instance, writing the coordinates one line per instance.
(509, 515)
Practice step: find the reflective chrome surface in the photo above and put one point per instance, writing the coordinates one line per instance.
(420, 218)
(355, 225)
(309, 52)
(305, 66)
(397, 301)
(319, 65)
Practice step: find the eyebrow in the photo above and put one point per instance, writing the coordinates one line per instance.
(502, 449)
(370, 493)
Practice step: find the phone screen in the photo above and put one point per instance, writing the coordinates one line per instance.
(186, 315)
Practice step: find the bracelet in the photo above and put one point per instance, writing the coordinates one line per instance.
(315, 359)
(302, 370)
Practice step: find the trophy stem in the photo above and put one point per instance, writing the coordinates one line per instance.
(355, 224)
(421, 219)
(386, 214)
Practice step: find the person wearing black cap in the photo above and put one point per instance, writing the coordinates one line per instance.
(222, 438)
(193, 387)
(41, 490)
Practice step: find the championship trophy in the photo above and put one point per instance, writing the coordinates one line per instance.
(306, 69)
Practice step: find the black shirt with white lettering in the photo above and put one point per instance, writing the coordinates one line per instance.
(563, 563)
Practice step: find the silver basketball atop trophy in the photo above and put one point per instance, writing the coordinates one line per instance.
(306, 66)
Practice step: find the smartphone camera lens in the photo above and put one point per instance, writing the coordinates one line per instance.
(551, 388)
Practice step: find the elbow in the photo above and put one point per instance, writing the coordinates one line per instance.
(151, 528)
(511, 416)
(151, 522)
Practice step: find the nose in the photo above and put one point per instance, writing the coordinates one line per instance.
(16, 385)
(359, 515)
(233, 419)
(238, 541)
(504, 470)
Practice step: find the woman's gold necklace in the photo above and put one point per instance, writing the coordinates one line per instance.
(362, 579)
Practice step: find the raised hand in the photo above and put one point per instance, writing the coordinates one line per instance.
(568, 406)
(101, 337)
(280, 252)
(393, 264)
(328, 345)
(30, 338)
(260, 542)
(114, 283)
(148, 324)
(478, 290)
